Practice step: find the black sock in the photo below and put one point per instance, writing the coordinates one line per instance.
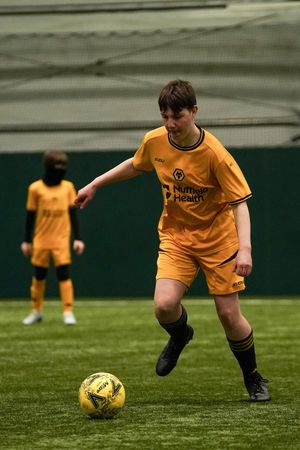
(178, 330)
(244, 351)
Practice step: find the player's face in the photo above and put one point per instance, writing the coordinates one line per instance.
(180, 124)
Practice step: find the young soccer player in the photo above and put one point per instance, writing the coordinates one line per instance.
(50, 217)
(204, 225)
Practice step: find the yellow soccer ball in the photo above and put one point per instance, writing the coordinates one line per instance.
(101, 395)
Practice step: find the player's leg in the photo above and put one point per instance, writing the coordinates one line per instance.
(66, 291)
(175, 272)
(167, 300)
(224, 285)
(40, 262)
(62, 262)
(235, 325)
(237, 330)
(241, 342)
(171, 316)
(38, 286)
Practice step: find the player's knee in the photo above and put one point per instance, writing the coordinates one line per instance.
(165, 308)
(228, 317)
(167, 300)
(63, 272)
(40, 273)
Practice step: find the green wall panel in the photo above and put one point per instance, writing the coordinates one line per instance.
(119, 226)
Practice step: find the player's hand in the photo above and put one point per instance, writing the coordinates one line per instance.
(243, 263)
(85, 195)
(78, 247)
(26, 249)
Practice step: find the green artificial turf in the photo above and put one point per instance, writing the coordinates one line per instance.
(202, 404)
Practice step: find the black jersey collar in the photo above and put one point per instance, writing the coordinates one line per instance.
(191, 147)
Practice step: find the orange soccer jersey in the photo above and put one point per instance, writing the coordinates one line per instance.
(51, 204)
(199, 183)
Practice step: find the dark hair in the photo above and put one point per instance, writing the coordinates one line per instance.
(176, 95)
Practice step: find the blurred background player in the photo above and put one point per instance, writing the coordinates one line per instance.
(51, 216)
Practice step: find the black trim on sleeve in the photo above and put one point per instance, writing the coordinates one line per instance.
(74, 223)
(240, 200)
(29, 225)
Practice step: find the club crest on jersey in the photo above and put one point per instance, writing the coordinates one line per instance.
(178, 174)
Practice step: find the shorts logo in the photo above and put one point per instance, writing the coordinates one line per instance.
(178, 174)
(237, 284)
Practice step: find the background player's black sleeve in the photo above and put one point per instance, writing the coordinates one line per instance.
(29, 225)
(74, 223)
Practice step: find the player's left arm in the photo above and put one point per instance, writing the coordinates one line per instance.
(243, 263)
(78, 244)
(26, 245)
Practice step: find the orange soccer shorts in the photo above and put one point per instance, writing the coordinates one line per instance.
(42, 257)
(181, 264)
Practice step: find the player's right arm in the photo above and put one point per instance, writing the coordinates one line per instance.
(123, 171)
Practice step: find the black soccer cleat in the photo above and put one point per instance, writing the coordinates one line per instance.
(170, 354)
(257, 388)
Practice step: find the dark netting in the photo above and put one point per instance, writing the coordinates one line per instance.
(245, 75)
